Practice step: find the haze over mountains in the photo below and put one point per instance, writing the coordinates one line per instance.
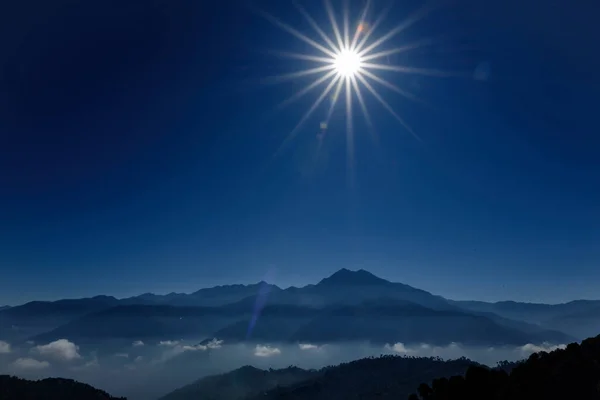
(346, 306)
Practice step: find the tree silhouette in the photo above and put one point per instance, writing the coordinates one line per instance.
(13, 388)
(570, 373)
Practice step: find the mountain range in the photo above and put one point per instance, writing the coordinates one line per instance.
(346, 306)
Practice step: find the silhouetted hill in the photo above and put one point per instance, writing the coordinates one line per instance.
(13, 388)
(239, 384)
(572, 373)
(391, 377)
(385, 377)
(4, 308)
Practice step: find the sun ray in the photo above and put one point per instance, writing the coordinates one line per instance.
(299, 74)
(349, 134)
(334, 25)
(404, 25)
(346, 22)
(336, 95)
(357, 32)
(390, 86)
(307, 115)
(300, 56)
(402, 49)
(387, 106)
(409, 70)
(361, 102)
(316, 27)
(370, 31)
(297, 34)
(307, 89)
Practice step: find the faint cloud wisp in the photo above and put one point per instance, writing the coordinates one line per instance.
(30, 363)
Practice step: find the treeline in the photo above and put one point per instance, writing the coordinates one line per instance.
(241, 383)
(384, 377)
(13, 388)
(570, 373)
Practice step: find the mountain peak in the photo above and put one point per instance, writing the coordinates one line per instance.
(347, 277)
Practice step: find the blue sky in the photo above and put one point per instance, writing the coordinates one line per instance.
(137, 143)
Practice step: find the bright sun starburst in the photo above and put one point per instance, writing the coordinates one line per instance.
(347, 64)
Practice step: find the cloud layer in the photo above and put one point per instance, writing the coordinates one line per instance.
(141, 371)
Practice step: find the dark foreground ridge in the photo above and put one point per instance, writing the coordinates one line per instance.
(385, 377)
(572, 373)
(13, 388)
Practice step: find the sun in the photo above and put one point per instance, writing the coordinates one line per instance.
(348, 67)
(347, 63)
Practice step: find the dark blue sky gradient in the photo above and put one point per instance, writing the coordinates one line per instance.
(136, 144)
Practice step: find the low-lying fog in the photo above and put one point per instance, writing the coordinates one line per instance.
(147, 370)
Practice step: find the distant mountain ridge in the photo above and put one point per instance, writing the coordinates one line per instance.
(346, 277)
(578, 318)
(214, 296)
(363, 306)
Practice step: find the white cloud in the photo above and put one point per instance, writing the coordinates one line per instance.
(137, 343)
(214, 344)
(398, 348)
(485, 355)
(122, 355)
(308, 346)
(30, 363)
(192, 348)
(168, 343)
(61, 349)
(532, 348)
(4, 347)
(266, 351)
